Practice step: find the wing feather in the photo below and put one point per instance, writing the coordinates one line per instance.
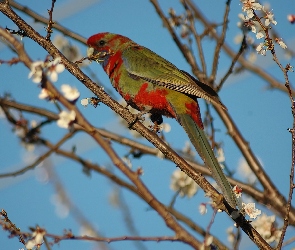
(143, 63)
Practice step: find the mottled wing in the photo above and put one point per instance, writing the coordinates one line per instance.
(147, 65)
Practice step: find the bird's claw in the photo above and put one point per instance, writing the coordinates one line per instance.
(157, 120)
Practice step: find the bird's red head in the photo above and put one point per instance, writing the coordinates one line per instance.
(108, 42)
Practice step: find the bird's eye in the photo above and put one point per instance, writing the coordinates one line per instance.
(101, 42)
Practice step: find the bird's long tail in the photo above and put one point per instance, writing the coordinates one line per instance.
(200, 142)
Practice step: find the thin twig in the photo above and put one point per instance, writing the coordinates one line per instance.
(197, 38)
(50, 22)
(113, 239)
(220, 42)
(11, 227)
(285, 70)
(271, 80)
(238, 239)
(210, 224)
(234, 61)
(185, 51)
(41, 19)
(39, 159)
(27, 108)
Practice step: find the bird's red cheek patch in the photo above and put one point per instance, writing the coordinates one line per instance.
(155, 99)
(113, 64)
(193, 110)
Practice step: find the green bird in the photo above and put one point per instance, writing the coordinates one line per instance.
(152, 84)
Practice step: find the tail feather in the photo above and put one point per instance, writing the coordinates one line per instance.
(201, 144)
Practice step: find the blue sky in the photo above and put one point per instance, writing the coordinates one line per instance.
(262, 115)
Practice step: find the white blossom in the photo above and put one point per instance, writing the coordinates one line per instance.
(259, 34)
(54, 68)
(245, 24)
(238, 39)
(188, 149)
(70, 93)
(289, 67)
(266, 227)
(66, 118)
(248, 23)
(237, 191)
(269, 19)
(165, 127)
(250, 210)
(220, 155)
(30, 244)
(253, 28)
(183, 184)
(252, 57)
(19, 131)
(184, 31)
(33, 123)
(85, 102)
(71, 52)
(281, 43)
(261, 49)
(36, 71)
(203, 208)
(86, 230)
(43, 94)
(28, 146)
(62, 208)
(231, 236)
(127, 161)
(207, 242)
(59, 42)
(245, 171)
(90, 51)
(37, 239)
(160, 155)
(249, 6)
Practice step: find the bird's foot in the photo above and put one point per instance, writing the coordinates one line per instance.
(155, 127)
(157, 119)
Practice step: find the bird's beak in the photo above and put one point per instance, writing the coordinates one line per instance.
(94, 55)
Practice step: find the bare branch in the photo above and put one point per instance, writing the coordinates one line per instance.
(7, 224)
(39, 159)
(220, 42)
(271, 80)
(55, 25)
(234, 61)
(50, 22)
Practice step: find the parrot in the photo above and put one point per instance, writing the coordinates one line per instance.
(151, 84)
